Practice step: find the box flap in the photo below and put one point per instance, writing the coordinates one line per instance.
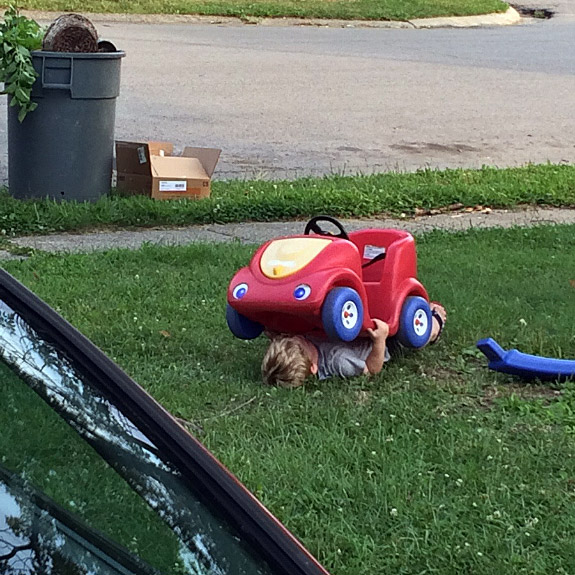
(208, 157)
(178, 168)
(134, 157)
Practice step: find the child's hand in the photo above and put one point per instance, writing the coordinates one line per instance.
(376, 358)
(380, 331)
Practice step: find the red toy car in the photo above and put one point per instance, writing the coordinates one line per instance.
(333, 284)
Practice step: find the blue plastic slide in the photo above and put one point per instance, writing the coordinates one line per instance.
(524, 365)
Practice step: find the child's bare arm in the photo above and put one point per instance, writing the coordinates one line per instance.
(375, 360)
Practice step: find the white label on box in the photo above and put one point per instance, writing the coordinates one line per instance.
(370, 252)
(142, 154)
(172, 186)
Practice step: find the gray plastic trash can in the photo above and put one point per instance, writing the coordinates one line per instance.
(64, 149)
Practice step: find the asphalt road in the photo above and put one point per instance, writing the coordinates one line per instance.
(294, 101)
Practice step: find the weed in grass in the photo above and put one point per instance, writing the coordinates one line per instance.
(436, 466)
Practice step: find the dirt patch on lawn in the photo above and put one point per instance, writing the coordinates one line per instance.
(524, 391)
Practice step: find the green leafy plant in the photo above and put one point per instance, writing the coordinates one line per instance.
(18, 36)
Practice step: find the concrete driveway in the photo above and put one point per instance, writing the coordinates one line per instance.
(284, 102)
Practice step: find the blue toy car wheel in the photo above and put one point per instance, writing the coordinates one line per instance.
(415, 322)
(241, 326)
(342, 314)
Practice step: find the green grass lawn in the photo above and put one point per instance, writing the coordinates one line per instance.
(358, 9)
(437, 465)
(359, 196)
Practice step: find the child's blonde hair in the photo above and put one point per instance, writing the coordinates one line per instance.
(286, 362)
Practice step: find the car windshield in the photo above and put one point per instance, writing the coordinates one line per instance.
(83, 490)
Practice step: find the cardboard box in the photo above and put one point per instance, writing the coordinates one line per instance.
(151, 169)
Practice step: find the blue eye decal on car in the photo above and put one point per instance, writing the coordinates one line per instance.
(240, 291)
(301, 292)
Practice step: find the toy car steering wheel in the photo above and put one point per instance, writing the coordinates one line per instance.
(312, 226)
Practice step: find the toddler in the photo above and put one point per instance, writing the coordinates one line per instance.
(289, 360)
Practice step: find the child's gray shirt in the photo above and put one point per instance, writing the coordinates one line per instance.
(343, 359)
